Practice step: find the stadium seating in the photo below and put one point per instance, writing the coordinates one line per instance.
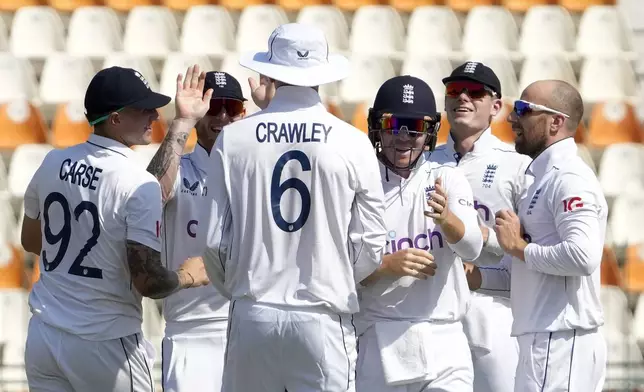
(330, 20)
(547, 29)
(36, 32)
(25, 161)
(366, 75)
(151, 31)
(17, 79)
(94, 32)
(50, 49)
(70, 126)
(606, 78)
(21, 123)
(613, 122)
(256, 23)
(71, 5)
(436, 25)
(207, 30)
(381, 24)
(65, 78)
(489, 29)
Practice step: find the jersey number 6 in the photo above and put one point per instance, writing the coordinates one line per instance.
(65, 234)
(277, 190)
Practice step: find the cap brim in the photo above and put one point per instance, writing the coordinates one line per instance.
(229, 96)
(152, 101)
(461, 77)
(337, 68)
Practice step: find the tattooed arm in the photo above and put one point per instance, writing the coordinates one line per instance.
(192, 104)
(165, 163)
(149, 276)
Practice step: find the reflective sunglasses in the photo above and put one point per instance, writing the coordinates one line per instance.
(521, 108)
(413, 126)
(233, 107)
(474, 90)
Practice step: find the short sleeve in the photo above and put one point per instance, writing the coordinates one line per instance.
(143, 214)
(31, 198)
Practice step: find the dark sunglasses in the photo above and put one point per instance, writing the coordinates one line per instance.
(412, 126)
(233, 107)
(475, 90)
(521, 108)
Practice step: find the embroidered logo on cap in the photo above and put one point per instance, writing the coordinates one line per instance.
(408, 94)
(138, 75)
(470, 67)
(220, 79)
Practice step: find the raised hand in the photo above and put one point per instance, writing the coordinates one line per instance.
(438, 203)
(191, 102)
(261, 92)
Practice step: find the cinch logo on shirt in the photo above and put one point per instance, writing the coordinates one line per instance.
(487, 215)
(421, 241)
(189, 188)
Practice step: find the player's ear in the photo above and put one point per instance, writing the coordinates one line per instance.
(497, 106)
(114, 118)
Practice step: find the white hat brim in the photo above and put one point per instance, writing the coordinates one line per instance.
(337, 68)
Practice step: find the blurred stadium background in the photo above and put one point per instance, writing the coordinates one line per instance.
(49, 51)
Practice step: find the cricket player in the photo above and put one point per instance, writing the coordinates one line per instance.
(297, 221)
(100, 219)
(410, 334)
(196, 320)
(556, 241)
(496, 174)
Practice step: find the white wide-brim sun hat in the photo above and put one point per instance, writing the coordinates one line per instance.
(298, 54)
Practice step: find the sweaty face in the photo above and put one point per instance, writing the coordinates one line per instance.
(136, 125)
(222, 112)
(530, 130)
(468, 105)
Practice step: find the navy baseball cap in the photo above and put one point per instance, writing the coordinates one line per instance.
(224, 85)
(476, 72)
(115, 88)
(405, 96)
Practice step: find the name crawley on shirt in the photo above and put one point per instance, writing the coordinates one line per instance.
(291, 132)
(79, 174)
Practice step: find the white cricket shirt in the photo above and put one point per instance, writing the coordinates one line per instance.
(564, 217)
(91, 198)
(444, 296)
(202, 309)
(496, 173)
(298, 206)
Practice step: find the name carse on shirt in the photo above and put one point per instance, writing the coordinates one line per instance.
(270, 132)
(79, 173)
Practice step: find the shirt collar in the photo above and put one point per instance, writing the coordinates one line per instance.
(110, 144)
(484, 142)
(293, 98)
(389, 175)
(551, 155)
(200, 156)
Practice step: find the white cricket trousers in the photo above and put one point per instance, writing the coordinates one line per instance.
(564, 361)
(57, 361)
(193, 363)
(495, 353)
(451, 353)
(274, 348)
